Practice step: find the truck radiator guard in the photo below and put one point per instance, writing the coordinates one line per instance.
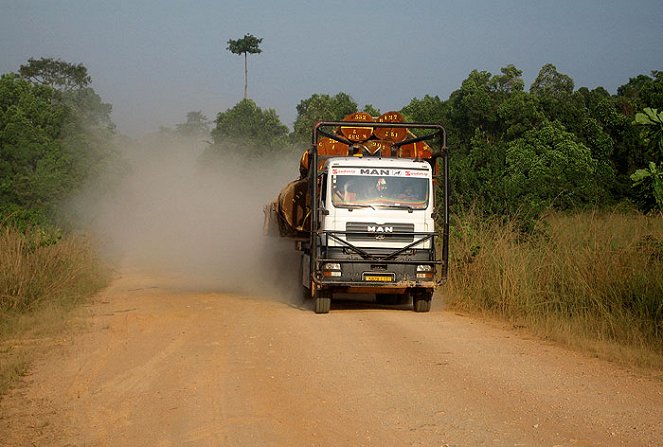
(364, 254)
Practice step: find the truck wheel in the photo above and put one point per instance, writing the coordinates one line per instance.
(322, 301)
(421, 301)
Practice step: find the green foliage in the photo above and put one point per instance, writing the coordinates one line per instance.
(56, 73)
(548, 168)
(649, 183)
(651, 125)
(550, 82)
(430, 109)
(491, 104)
(630, 153)
(371, 110)
(518, 113)
(478, 177)
(248, 128)
(493, 124)
(51, 141)
(34, 167)
(247, 44)
(473, 107)
(320, 107)
(642, 91)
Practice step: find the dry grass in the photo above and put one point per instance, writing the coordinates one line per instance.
(593, 281)
(40, 282)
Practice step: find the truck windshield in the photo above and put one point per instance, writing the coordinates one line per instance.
(354, 191)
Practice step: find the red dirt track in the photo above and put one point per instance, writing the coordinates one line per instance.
(158, 364)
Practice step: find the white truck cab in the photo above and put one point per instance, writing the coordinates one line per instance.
(370, 211)
(373, 221)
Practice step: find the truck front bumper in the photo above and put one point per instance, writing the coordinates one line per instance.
(392, 276)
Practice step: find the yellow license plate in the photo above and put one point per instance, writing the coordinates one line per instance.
(379, 278)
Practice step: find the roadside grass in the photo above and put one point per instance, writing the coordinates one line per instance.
(42, 280)
(592, 281)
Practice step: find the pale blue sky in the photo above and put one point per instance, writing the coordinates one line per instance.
(156, 60)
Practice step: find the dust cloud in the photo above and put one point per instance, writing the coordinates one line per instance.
(193, 219)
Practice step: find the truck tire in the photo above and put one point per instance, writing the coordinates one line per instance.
(322, 301)
(421, 301)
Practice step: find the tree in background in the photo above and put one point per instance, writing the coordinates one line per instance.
(494, 126)
(630, 154)
(60, 75)
(249, 129)
(429, 109)
(245, 45)
(550, 82)
(649, 181)
(196, 125)
(55, 133)
(371, 110)
(320, 107)
(549, 168)
(88, 131)
(35, 168)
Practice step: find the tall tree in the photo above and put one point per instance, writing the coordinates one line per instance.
(245, 45)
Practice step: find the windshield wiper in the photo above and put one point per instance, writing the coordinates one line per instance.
(356, 205)
(363, 205)
(402, 207)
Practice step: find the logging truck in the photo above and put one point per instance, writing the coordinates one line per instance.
(370, 211)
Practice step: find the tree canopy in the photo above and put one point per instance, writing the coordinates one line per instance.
(249, 44)
(56, 73)
(55, 133)
(35, 167)
(248, 127)
(513, 151)
(320, 107)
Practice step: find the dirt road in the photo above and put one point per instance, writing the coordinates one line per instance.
(157, 364)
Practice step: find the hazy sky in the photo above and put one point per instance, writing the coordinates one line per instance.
(156, 60)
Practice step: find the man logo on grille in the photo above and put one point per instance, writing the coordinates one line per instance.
(379, 229)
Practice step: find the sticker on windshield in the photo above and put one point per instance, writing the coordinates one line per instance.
(379, 172)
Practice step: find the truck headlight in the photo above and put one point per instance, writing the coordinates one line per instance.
(425, 271)
(331, 269)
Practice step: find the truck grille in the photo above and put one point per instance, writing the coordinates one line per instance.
(387, 232)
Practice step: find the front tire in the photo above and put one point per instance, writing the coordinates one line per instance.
(421, 301)
(322, 302)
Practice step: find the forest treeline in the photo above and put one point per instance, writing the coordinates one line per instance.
(514, 151)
